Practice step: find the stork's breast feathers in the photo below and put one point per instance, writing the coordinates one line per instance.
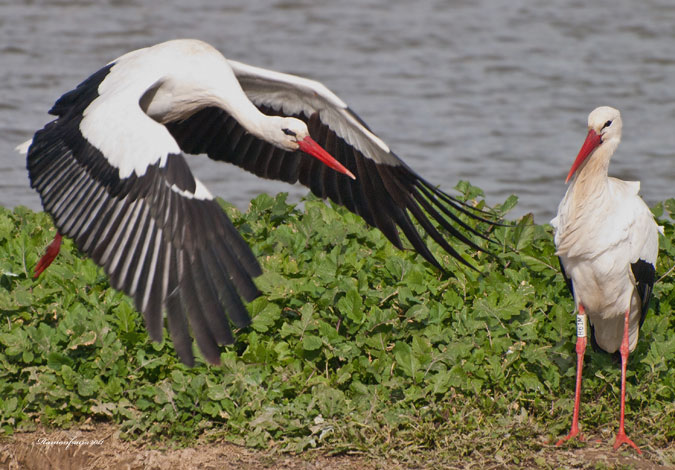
(615, 219)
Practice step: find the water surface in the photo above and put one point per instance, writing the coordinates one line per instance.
(494, 92)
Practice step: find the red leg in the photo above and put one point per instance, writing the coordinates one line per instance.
(50, 253)
(621, 437)
(581, 350)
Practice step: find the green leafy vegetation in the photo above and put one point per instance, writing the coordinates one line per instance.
(354, 345)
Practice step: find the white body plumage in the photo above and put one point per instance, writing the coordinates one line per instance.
(603, 227)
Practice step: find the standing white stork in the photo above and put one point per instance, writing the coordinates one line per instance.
(607, 243)
(111, 172)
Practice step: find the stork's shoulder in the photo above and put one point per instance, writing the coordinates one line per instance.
(626, 203)
(635, 219)
(624, 189)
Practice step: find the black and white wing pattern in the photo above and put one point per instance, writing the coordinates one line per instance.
(132, 204)
(386, 191)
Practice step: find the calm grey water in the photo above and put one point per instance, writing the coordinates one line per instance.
(496, 92)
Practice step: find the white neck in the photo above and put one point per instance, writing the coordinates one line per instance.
(244, 112)
(591, 178)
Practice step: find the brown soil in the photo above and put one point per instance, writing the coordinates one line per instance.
(100, 448)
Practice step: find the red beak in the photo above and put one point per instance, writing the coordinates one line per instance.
(592, 141)
(309, 146)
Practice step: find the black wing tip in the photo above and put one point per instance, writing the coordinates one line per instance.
(568, 280)
(438, 212)
(645, 277)
(644, 272)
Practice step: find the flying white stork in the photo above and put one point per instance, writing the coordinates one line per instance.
(607, 243)
(111, 172)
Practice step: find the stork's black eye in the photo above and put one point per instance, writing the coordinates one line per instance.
(289, 132)
(607, 124)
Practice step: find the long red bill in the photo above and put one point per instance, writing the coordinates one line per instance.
(309, 146)
(592, 141)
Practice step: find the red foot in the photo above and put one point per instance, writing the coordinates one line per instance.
(580, 349)
(50, 253)
(622, 438)
(574, 432)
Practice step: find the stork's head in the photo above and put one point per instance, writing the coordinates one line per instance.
(288, 132)
(291, 134)
(605, 122)
(604, 129)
